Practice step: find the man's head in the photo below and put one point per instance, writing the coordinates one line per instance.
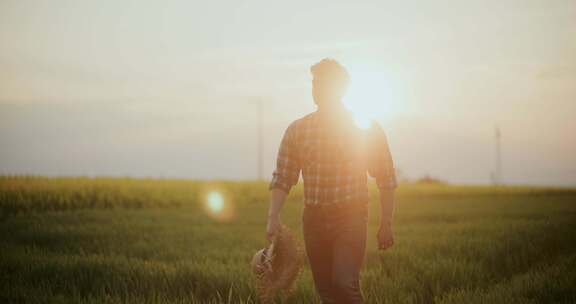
(329, 83)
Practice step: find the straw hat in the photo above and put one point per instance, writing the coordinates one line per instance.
(277, 266)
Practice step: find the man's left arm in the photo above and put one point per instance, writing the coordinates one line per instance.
(381, 167)
(385, 232)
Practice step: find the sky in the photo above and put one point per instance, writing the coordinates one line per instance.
(171, 88)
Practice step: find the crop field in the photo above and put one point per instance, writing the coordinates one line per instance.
(123, 240)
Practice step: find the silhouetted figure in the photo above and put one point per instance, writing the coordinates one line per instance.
(334, 156)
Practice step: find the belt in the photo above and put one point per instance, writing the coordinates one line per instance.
(335, 207)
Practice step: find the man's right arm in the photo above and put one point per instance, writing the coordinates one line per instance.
(278, 197)
(285, 175)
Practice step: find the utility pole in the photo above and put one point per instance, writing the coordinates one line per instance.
(259, 104)
(498, 161)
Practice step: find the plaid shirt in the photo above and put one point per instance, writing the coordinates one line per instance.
(334, 156)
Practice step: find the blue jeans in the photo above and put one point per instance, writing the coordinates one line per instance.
(335, 243)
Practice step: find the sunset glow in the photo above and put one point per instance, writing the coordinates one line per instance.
(369, 96)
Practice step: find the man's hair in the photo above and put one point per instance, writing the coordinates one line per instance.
(329, 68)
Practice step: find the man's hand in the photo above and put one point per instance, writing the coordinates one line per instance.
(385, 236)
(272, 227)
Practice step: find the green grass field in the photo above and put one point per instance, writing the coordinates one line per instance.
(114, 240)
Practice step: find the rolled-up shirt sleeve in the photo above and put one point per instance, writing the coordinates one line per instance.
(288, 165)
(380, 163)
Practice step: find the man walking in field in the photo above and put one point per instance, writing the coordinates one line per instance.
(334, 156)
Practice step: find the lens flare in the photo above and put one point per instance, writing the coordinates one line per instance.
(215, 202)
(218, 204)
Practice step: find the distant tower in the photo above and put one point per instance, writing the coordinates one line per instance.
(497, 174)
(260, 140)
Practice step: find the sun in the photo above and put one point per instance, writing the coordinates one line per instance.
(369, 95)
